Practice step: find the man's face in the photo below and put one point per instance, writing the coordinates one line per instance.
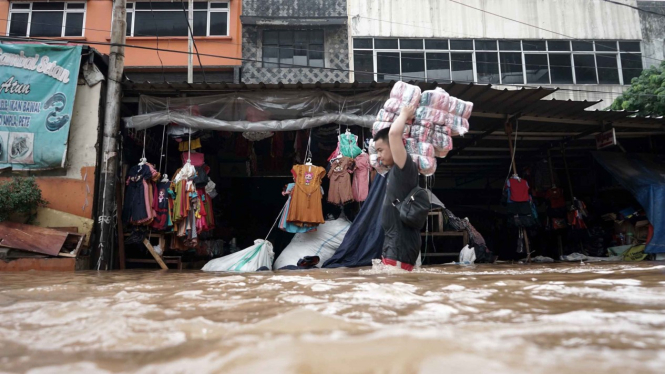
(383, 152)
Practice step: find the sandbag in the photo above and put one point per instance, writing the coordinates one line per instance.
(249, 259)
(323, 243)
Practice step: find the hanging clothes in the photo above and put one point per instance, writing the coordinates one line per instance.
(348, 145)
(518, 190)
(361, 177)
(184, 146)
(340, 191)
(284, 225)
(136, 209)
(197, 159)
(555, 198)
(160, 205)
(306, 198)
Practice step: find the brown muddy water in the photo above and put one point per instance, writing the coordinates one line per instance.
(574, 318)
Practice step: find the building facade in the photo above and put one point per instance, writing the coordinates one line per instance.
(291, 41)
(578, 46)
(158, 29)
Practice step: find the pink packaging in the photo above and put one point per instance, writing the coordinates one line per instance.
(385, 116)
(436, 99)
(406, 93)
(460, 108)
(426, 165)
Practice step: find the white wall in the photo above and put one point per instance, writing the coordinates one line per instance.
(585, 19)
(84, 130)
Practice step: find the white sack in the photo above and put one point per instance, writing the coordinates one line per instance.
(249, 259)
(467, 255)
(323, 243)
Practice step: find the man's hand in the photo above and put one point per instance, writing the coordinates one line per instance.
(408, 112)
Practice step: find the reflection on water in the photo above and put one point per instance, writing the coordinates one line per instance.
(483, 319)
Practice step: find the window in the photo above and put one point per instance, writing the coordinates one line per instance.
(293, 48)
(46, 19)
(170, 19)
(537, 70)
(491, 61)
(585, 69)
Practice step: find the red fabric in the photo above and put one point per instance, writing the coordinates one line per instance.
(198, 159)
(555, 197)
(391, 262)
(519, 190)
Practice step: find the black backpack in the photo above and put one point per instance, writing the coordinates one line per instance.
(414, 209)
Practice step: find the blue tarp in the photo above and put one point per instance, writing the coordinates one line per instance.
(644, 177)
(364, 240)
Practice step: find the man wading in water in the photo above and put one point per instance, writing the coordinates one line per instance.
(401, 245)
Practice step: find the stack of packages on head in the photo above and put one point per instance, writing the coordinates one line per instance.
(439, 117)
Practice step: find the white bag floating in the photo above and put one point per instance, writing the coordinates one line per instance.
(249, 259)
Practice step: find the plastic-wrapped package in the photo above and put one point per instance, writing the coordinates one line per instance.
(426, 165)
(436, 99)
(458, 125)
(460, 108)
(385, 116)
(428, 114)
(323, 243)
(421, 133)
(413, 146)
(406, 93)
(442, 142)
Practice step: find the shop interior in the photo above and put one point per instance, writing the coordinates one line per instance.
(578, 206)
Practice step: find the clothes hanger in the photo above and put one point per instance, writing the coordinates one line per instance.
(165, 178)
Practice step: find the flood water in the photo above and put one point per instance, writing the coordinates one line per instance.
(555, 318)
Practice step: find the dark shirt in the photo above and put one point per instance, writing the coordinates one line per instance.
(402, 243)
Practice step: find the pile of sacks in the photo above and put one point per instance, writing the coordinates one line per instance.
(439, 116)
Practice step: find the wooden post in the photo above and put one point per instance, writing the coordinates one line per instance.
(111, 128)
(508, 127)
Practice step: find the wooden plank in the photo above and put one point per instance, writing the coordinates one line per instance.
(39, 264)
(154, 254)
(31, 238)
(73, 244)
(70, 229)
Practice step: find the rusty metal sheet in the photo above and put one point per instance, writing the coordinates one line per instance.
(32, 238)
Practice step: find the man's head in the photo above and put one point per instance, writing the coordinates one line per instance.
(382, 146)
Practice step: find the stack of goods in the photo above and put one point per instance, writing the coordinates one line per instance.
(191, 212)
(139, 204)
(439, 117)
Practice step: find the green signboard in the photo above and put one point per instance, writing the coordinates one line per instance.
(37, 89)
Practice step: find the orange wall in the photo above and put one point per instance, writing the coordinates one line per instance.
(98, 26)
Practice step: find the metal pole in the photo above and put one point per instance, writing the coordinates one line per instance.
(190, 43)
(111, 128)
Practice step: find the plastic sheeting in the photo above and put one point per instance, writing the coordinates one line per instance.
(644, 177)
(323, 243)
(259, 111)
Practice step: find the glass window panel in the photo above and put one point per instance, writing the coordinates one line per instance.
(285, 56)
(75, 6)
(129, 23)
(74, 25)
(461, 45)
(510, 45)
(161, 6)
(316, 55)
(48, 6)
(511, 68)
(197, 5)
(536, 69)
(438, 67)
(46, 24)
(315, 36)
(300, 53)
(608, 69)
(301, 37)
(606, 46)
(558, 45)
(363, 61)
(487, 67)
(485, 45)
(534, 45)
(561, 69)
(270, 57)
(219, 5)
(20, 6)
(364, 43)
(413, 66)
(270, 37)
(462, 64)
(164, 23)
(582, 46)
(219, 22)
(436, 43)
(130, 5)
(585, 69)
(286, 38)
(631, 66)
(19, 24)
(629, 46)
(411, 44)
(387, 66)
(385, 43)
(200, 26)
